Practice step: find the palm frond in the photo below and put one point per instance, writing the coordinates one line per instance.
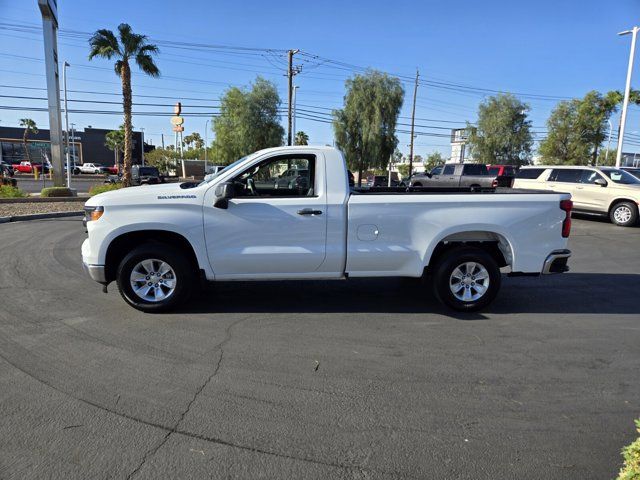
(118, 67)
(147, 65)
(104, 44)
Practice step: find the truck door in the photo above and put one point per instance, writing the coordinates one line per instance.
(448, 178)
(269, 228)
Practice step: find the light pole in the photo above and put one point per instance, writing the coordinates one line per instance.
(66, 120)
(142, 136)
(73, 144)
(206, 144)
(627, 89)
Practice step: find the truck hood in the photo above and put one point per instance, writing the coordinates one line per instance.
(145, 194)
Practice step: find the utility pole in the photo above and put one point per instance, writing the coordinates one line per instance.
(162, 138)
(142, 137)
(66, 121)
(73, 138)
(290, 74)
(206, 144)
(413, 118)
(625, 103)
(295, 94)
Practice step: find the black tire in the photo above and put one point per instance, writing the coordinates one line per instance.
(624, 214)
(450, 261)
(184, 276)
(417, 184)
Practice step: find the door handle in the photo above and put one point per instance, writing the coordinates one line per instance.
(309, 211)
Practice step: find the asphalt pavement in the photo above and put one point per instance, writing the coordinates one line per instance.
(366, 378)
(81, 183)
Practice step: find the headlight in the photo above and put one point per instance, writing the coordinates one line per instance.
(91, 214)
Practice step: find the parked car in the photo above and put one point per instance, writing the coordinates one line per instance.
(139, 176)
(95, 168)
(381, 181)
(214, 169)
(632, 170)
(505, 174)
(596, 190)
(28, 167)
(158, 242)
(293, 178)
(473, 175)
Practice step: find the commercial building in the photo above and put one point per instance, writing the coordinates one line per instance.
(86, 146)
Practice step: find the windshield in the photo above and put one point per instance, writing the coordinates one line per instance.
(211, 176)
(620, 176)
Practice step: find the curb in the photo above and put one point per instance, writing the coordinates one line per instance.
(44, 199)
(39, 216)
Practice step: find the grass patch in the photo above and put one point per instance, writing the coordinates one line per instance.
(107, 187)
(7, 191)
(56, 192)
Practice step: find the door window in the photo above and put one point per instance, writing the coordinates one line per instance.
(590, 176)
(530, 173)
(281, 176)
(448, 169)
(566, 175)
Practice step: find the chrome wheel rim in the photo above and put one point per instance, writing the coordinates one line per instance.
(153, 280)
(622, 214)
(469, 281)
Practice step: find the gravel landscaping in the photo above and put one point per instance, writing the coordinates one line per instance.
(11, 209)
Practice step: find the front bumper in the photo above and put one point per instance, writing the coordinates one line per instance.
(96, 272)
(556, 262)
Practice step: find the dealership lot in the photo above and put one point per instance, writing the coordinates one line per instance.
(364, 379)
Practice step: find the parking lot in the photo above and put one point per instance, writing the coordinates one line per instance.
(359, 379)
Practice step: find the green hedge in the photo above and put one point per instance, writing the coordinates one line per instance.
(7, 191)
(107, 187)
(631, 455)
(56, 192)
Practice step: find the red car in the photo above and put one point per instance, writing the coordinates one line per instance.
(27, 167)
(113, 170)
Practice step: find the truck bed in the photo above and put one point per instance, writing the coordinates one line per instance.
(442, 190)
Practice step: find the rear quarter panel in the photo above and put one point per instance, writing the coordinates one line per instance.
(409, 227)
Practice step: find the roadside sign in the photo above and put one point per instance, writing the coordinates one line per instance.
(178, 128)
(177, 120)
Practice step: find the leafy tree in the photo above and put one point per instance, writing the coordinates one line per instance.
(163, 159)
(114, 141)
(433, 160)
(503, 134)
(403, 170)
(365, 127)
(127, 47)
(607, 157)
(248, 121)
(30, 127)
(301, 138)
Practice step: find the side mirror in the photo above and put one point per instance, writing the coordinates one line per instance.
(601, 181)
(224, 192)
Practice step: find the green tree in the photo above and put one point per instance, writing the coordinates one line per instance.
(127, 47)
(30, 127)
(114, 141)
(163, 159)
(503, 133)
(301, 138)
(194, 140)
(365, 127)
(563, 143)
(248, 121)
(433, 160)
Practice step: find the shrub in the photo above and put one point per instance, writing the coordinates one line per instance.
(107, 187)
(631, 454)
(56, 192)
(12, 182)
(7, 191)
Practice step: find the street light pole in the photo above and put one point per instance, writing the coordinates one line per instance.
(627, 89)
(206, 144)
(142, 136)
(606, 154)
(73, 137)
(66, 121)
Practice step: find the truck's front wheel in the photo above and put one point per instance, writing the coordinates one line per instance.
(154, 278)
(466, 278)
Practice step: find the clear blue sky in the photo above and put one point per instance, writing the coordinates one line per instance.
(544, 48)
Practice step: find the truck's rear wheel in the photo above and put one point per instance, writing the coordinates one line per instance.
(154, 278)
(466, 278)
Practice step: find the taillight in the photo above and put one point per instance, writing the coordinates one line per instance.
(494, 184)
(566, 206)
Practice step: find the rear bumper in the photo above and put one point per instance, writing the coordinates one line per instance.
(556, 262)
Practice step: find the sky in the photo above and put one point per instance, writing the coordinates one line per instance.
(542, 51)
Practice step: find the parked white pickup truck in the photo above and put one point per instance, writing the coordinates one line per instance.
(245, 223)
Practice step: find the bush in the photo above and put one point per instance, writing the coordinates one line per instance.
(12, 182)
(7, 191)
(56, 192)
(107, 187)
(631, 454)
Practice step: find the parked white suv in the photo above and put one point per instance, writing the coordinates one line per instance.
(598, 190)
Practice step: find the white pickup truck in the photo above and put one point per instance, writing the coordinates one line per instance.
(256, 220)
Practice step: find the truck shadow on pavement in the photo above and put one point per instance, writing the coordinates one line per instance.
(567, 293)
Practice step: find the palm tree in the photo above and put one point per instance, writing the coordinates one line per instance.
(29, 127)
(301, 138)
(127, 47)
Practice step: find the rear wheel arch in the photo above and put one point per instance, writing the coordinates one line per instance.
(495, 244)
(120, 246)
